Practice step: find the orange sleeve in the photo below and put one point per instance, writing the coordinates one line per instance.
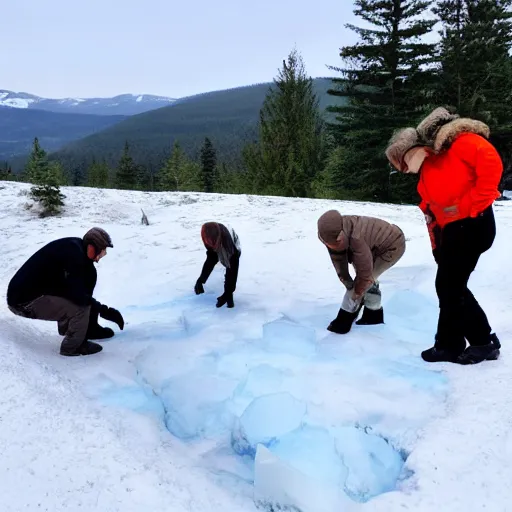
(486, 161)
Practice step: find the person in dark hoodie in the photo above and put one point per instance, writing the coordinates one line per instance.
(222, 244)
(57, 284)
(372, 246)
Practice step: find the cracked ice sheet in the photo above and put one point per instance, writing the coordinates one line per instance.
(463, 452)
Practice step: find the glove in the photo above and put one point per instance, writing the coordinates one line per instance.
(112, 315)
(198, 288)
(226, 297)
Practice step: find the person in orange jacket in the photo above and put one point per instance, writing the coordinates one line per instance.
(459, 173)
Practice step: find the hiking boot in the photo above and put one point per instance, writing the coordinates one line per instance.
(87, 348)
(97, 332)
(478, 353)
(371, 317)
(439, 355)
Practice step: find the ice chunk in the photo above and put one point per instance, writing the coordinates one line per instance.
(374, 466)
(289, 337)
(195, 405)
(266, 419)
(279, 486)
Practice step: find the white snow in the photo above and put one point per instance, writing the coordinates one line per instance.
(139, 98)
(197, 408)
(16, 102)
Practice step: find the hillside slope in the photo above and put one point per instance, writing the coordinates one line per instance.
(228, 117)
(18, 127)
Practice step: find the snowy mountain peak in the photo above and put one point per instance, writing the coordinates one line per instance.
(124, 104)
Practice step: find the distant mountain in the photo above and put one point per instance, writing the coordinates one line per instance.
(124, 104)
(18, 127)
(229, 118)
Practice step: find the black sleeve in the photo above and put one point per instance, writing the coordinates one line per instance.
(232, 273)
(211, 260)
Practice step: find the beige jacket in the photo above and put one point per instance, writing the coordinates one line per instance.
(365, 242)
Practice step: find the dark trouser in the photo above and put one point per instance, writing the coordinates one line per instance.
(72, 320)
(232, 273)
(93, 322)
(460, 316)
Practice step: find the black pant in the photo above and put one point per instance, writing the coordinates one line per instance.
(460, 316)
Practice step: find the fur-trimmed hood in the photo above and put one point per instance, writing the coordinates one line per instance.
(440, 128)
(401, 142)
(450, 131)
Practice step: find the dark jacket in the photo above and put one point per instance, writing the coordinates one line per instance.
(212, 258)
(60, 268)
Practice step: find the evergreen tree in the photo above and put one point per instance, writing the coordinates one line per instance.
(144, 177)
(290, 150)
(46, 179)
(127, 174)
(179, 172)
(57, 173)
(388, 81)
(98, 174)
(475, 72)
(37, 166)
(208, 166)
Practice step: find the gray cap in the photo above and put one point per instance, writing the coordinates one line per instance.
(99, 238)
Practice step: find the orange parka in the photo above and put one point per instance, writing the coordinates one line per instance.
(461, 179)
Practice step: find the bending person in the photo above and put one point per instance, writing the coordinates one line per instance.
(372, 246)
(222, 244)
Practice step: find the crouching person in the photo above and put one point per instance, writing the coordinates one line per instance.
(57, 284)
(222, 244)
(371, 246)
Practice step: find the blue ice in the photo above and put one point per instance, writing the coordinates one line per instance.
(196, 405)
(252, 396)
(373, 465)
(266, 419)
(288, 337)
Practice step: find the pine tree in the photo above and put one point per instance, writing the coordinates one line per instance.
(98, 174)
(179, 172)
(57, 173)
(46, 179)
(290, 150)
(144, 177)
(127, 172)
(208, 166)
(387, 80)
(37, 165)
(475, 66)
(475, 75)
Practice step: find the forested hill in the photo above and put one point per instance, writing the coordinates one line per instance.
(227, 117)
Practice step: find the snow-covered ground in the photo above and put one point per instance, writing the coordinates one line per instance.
(193, 408)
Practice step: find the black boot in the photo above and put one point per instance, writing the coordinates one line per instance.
(439, 355)
(343, 322)
(477, 353)
(371, 317)
(87, 348)
(97, 332)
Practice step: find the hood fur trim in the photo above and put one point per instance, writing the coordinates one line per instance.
(429, 127)
(450, 131)
(401, 142)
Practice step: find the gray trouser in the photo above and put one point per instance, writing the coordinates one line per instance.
(72, 320)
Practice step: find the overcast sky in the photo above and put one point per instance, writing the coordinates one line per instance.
(64, 48)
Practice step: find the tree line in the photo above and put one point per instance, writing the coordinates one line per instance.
(391, 78)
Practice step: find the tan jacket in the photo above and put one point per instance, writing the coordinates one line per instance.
(363, 241)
